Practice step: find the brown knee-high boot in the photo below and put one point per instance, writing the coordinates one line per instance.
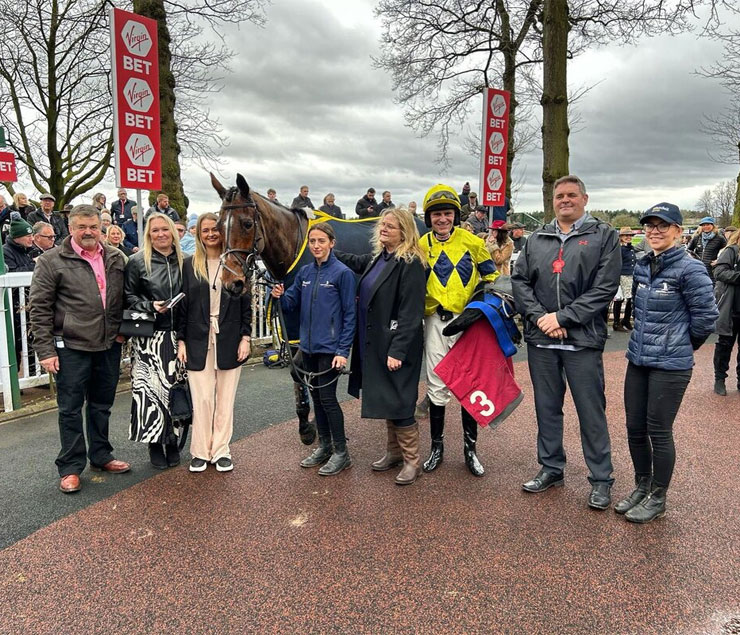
(408, 439)
(393, 456)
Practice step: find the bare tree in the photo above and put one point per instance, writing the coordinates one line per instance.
(724, 201)
(441, 54)
(54, 83)
(705, 204)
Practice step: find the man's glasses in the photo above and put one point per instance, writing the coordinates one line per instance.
(661, 228)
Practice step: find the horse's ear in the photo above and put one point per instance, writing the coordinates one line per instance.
(243, 186)
(217, 186)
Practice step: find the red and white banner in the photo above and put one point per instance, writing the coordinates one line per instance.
(495, 142)
(136, 133)
(8, 172)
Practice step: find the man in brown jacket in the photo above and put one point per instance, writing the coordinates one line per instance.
(76, 309)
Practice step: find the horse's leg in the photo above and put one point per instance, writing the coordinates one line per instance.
(306, 428)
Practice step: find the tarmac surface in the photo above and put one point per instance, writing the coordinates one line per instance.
(271, 547)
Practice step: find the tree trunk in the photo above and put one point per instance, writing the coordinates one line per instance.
(171, 179)
(736, 211)
(555, 131)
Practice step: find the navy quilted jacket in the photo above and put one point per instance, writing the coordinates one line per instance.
(671, 307)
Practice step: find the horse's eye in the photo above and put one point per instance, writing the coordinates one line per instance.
(247, 223)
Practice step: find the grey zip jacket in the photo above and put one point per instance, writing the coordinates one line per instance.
(579, 295)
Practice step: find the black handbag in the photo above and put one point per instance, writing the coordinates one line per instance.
(181, 409)
(137, 324)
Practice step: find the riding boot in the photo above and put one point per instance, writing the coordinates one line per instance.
(470, 436)
(339, 461)
(320, 455)
(437, 427)
(627, 320)
(649, 508)
(172, 453)
(393, 455)
(156, 456)
(408, 439)
(617, 325)
(644, 483)
(306, 428)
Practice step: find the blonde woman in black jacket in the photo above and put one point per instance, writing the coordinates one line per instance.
(213, 341)
(153, 276)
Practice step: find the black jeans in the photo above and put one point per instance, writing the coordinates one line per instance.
(652, 398)
(91, 377)
(329, 415)
(584, 370)
(723, 351)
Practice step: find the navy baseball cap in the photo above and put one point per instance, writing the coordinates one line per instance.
(664, 211)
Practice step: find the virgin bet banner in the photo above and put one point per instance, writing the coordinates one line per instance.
(495, 141)
(135, 100)
(8, 173)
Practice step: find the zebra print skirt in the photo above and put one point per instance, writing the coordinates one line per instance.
(154, 370)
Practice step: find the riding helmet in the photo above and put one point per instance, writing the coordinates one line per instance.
(438, 198)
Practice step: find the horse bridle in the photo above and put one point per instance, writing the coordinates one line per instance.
(245, 257)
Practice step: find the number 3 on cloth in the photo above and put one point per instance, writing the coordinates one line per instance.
(480, 397)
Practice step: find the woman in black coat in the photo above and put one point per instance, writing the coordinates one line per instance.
(727, 293)
(389, 341)
(213, 340)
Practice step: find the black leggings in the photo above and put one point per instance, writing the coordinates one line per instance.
(329, 415)
(723, 350)
(652, 398)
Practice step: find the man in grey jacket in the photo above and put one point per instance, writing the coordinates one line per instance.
(76, 309)
(565, 276)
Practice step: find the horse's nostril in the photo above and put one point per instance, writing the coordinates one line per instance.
(238, 286)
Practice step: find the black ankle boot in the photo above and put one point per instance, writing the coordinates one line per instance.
(172, 452)
(617, 315)
(627, 320)
(156, 456)
(649, 508)
(437, 427)
(641, 491)
(470, 436)
(719, 387)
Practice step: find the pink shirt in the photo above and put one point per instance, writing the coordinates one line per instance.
(95, 260)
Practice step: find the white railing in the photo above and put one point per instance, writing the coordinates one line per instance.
(15, 286)
(30, 373)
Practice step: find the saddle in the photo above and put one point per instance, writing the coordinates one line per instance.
(495, 302)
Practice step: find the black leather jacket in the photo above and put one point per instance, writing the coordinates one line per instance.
(142, 288)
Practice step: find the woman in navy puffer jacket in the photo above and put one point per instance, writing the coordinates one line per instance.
(674, 314)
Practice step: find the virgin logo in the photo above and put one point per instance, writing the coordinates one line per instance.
(136, 38)
(138, 96)
(139, 150)
(136, 41)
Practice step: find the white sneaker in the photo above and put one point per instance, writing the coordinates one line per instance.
(224, 464)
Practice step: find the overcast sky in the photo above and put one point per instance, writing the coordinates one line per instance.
(305, 106)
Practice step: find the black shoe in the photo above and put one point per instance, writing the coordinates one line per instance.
(156, 456)
(642, 490)
(338, 462)
(649, 508)
(320, 455)
(198, 465)
(172, 452)
(600, 497)
(470, 436)
(544, 480)
(224, 464)
(719, 387)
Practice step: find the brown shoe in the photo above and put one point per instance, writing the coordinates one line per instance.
(393, 456)
(70, 484)
(114, 467)
(408, 439)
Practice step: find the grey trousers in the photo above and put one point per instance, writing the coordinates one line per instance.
(584, 371)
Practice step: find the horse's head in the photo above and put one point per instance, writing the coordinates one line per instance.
(238, 225)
